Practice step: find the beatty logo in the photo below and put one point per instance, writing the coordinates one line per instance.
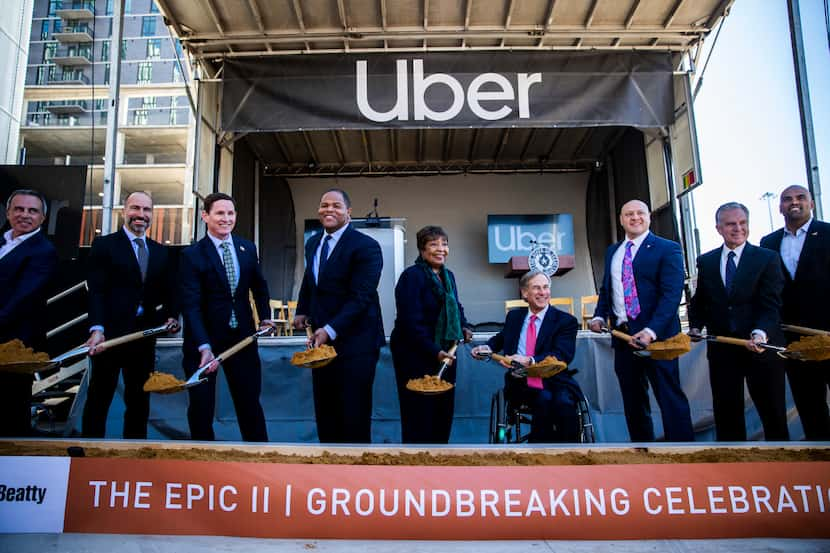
(22, 494)
(490, 96)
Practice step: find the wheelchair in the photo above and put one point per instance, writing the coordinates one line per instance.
(510, 418)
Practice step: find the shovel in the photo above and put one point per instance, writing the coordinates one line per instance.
(542, 369)
(781, 351)
(316, 363)
(805, 330)
(196, 378)
(424, 385)
(83, 350)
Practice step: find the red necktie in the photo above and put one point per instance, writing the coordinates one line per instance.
(530, 349)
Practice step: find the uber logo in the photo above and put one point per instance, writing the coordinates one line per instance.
(506, 93)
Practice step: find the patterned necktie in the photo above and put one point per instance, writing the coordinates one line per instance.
(729, 273)
(142, 257)
(230, 271)
(324, 255)
(530, 350)
(632, 302)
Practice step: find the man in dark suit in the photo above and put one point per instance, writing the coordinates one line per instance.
(217, 274)
(339, 299)
(739, 294)
(529, 335)
(804, 245)
(640, 294)
(27, 262)
(130, 289)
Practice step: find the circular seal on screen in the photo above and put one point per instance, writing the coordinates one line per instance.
(543, 259)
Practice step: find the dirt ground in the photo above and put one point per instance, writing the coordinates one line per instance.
(452, 457)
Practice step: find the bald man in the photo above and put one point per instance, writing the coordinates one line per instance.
(804, 246)
(640, 295)
(131, 288)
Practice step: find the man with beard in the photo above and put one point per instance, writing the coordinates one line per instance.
(804, 244)
(130, 289)
(27, 262)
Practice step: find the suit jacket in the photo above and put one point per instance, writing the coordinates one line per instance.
(206, 297)
(805, 300)
(658, 274)
(417, 315)
(345, 296)
(755, 299)
(25, 273)
(557, 335)
(116, 289)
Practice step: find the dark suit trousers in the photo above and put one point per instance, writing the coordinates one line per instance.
(343, 398)
(809, 383)
(553, 409)
(134, 361)
(729, 366)
(634, 374)
(15, 405)
(243, 372)
(425, 419)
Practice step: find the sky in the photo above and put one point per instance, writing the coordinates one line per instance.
(747, 117)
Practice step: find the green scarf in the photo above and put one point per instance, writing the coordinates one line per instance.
(448, 325)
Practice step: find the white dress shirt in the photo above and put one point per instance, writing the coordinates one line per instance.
(523, 334)
(791, 246)
(12, 243)
(335, 238)
(724, 257)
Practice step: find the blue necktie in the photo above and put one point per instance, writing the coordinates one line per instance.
(729, 274)
(324, 255)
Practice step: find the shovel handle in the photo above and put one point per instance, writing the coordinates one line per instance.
(245, 342)
(727, 340)
(805, 330)
(447, 362)
(625, 337)
(132, 337)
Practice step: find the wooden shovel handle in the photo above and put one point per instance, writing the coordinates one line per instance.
(805, 330)
(727, 340)
(130, 337)
(235, 348)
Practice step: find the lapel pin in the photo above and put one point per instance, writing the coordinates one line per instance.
(242, 248)
(814, 233)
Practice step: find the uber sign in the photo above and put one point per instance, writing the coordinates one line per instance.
(509, 235)
(498, 89)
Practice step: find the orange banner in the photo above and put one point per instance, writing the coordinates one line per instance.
(729, 500)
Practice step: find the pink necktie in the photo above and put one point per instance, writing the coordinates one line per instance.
(632, 302)
(530, 349)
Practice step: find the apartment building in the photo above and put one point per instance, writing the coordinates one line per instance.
(66, 106)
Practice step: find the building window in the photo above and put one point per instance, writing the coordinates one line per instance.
(54, 5)
(140, 117)
(145, 72)
(148, 102)
(107, 74)
(105, 51)
(108, 9)
(57, 26)
(99, 104)
(154, 49)
(153, 7)
(41, 75)
(177, 72)
(44, 29)
(49, 51)
(148, 26)
(123, 49)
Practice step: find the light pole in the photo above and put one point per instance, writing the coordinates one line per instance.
(768, 196)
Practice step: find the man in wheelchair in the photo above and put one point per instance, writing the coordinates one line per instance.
(529, 335)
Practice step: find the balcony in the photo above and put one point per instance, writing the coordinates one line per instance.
(83, 9)
(73, 78)
(73, 34)
(74, 58)
(69, 107)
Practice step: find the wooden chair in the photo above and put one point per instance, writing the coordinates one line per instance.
(278, 311)
(292, 310)
(586, 314)
(563, 302)
(512, 304)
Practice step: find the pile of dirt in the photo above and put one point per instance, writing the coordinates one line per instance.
(436, 457)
